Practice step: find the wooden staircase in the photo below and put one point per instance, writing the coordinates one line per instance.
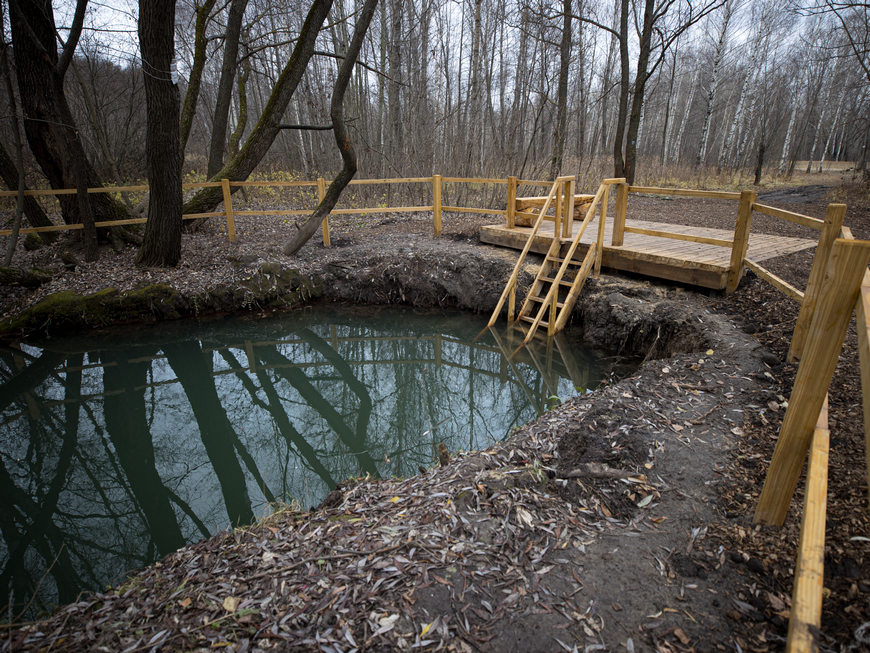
(560, 279)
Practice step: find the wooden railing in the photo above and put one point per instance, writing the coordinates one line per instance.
(839, 284)
(739, 243)
(229, 213)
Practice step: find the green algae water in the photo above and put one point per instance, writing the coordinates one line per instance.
(122, 447)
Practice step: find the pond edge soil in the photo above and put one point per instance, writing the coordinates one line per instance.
(595, 525)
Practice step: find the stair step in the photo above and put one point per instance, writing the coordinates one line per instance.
(555, 259)
(540, 300)
(526, 318)
(562, 282)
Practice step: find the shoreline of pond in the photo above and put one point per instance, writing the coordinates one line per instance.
(421, 562)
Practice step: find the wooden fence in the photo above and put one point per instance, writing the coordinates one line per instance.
(839, 283)
(229, 213)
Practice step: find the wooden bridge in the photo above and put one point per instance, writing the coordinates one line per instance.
(683, 253)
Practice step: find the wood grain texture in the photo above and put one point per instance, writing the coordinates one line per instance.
(840, 289)
(831, 229)
(806, 603)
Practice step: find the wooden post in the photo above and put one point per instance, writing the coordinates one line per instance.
(741, 239)
(862, 315)
(560, 201)
(568, 225)
(806, 603)
(846, 268)
(324, 226)
(602, 223)
(830, 232)
(619, 215)
(436, 203)
(512, 303)
(249, 352)
(228, 208)
(512, 203)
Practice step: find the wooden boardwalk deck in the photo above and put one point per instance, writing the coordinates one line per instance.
(665, 258)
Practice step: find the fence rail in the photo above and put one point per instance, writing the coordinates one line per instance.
(229, 212)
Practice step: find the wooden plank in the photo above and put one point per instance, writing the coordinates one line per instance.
(741, 239)
(602, 223)
(806, 604)
(324, 224)
(862, 314)
(228, 208)
(511, 202)
(407, 180)
(516, 271)
(472, 180)
(529, 182)
(846, 270)
(685, 192)
(673, 235)
(833, 224)
(571, 205)
(775, 281)
(388, 209)
(797, 218)
(436, 203)
(280, 184)
(619, 215)
(466, 209)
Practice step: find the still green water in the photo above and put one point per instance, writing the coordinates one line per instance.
(119, 450)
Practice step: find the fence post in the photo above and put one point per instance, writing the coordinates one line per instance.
(568, 224)
(809, 572)
(560, 202)
(619, 214)
(741, 238)
(324, 226)
(830, 232)
(512, 203)
(228, 209)
(436, 203)
(842, 282)
(602, 223)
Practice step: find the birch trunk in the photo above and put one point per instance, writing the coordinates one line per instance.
(727, 12)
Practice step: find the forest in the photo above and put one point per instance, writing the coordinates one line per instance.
(721, 92)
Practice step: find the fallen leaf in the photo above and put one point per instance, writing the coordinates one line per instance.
(186, 602)
(680, 633)
(231, 603)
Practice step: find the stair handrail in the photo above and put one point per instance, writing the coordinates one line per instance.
(511, 284)
(590, 213)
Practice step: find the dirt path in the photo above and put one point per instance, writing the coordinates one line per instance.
(619, 521)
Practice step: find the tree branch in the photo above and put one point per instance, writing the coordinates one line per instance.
(342, 139)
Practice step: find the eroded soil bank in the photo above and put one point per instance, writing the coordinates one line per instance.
(599, 525)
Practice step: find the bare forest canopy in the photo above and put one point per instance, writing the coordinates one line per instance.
(471, 87)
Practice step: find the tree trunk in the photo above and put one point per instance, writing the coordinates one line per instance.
(624, 87)
(32, 210)
(642, 75)
(200, 42)
(225, 86)
(342, 139)
(162, 243)
(267, 128)
(714, 83)
(562, 99)
(51, 132)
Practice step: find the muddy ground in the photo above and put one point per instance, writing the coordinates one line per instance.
(622, 520)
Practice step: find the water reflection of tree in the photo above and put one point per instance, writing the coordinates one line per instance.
(100, 485)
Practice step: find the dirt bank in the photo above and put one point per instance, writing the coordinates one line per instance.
(589, 527)
(619, 521)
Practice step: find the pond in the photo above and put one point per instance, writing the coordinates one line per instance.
(119, 450)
